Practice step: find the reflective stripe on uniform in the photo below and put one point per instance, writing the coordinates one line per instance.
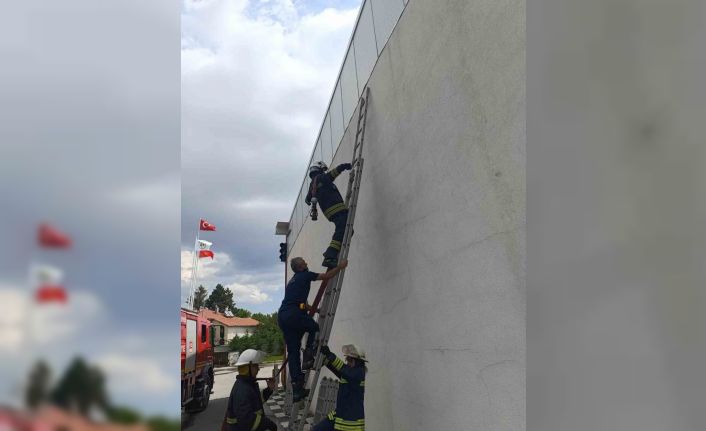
(335, 244)
(362, 383)
(344, 425)
(232, 420)
(334, 173)
(258, 418)
(335, 208)
(332, 414)
(339, 427)
(344, 381)
(349, 423)
(337, 364)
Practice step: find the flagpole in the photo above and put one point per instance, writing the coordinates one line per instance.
(194, 267)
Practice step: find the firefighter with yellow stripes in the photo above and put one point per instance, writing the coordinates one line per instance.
(349, 414)
(324, 192)
(245, 410)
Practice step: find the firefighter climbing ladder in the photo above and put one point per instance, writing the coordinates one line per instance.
(327, 312)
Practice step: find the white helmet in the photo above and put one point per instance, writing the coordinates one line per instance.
(250, 356)
(354, 352)
(318, 167)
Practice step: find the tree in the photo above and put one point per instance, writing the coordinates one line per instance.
(220, 300)
(241, 312)
(81, 387)
(123, 415)
(38, 387)
(267, 336)
(159, 423)
(200, 297)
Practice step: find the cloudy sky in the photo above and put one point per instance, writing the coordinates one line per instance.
(256, 80)
(124, 122)
(89, 141)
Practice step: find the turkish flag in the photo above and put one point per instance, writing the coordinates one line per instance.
(206, 253)
(51, 293)
(204, 225)
(52, 238)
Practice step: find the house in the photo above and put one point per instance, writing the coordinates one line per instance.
(50, 418)
(225, 329)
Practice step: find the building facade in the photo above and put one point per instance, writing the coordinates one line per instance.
(225, 329)
(435, 289)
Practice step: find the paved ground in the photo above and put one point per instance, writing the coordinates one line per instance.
(211, 418)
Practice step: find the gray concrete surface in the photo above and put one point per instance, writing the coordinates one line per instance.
(435, 290)
(211, 418)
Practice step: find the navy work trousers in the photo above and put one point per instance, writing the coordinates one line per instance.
(294, 324)
(339, 220)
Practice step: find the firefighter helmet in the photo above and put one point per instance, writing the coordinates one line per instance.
(354, 352)
(317, 168)
(250, 356)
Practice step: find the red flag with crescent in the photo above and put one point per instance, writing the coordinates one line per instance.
(204, 225)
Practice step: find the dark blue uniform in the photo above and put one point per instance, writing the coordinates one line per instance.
(295, 322)
(245, 411)
(349, 414)
(331, 203)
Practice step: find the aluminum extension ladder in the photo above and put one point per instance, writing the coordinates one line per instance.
(327, 312)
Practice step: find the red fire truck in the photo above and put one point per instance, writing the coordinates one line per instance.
(196, 361)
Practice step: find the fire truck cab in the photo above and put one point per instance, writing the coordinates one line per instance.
(196, 361)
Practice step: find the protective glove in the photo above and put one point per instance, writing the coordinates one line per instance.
(346, 166)
(325, 350)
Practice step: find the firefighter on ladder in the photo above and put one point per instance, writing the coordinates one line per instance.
(294, 321)
(245, 410)
(324, 192)
(349, 414)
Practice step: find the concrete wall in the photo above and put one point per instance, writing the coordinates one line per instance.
(435, 287)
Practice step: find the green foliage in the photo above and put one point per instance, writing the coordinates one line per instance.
(220, 300)
(81, 387)
(241, 312)
(38, 387)
(123, 415)
(160, 423)
(200, 297)
(274, 358)
(266, 337)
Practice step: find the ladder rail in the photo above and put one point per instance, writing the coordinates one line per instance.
(331, 296)
(360, 133)
(323, 339)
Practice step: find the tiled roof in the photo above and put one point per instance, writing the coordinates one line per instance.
(49, 418)
(228, 321)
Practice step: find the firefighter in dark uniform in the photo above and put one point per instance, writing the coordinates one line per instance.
(349, 414)
(294, 321)
(324, 192)
(245, 406)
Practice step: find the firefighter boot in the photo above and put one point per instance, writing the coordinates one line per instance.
(308, 359)
(330, 262)
(298, 392)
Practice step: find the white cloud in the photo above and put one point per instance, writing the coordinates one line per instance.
(248, 293)
(129, 373)
(25, 321)
(248, 289)
(208, 268)
(256, 80)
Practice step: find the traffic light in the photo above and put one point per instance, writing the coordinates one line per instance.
(283, 251)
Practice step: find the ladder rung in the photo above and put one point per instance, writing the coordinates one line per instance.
(330, 299)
